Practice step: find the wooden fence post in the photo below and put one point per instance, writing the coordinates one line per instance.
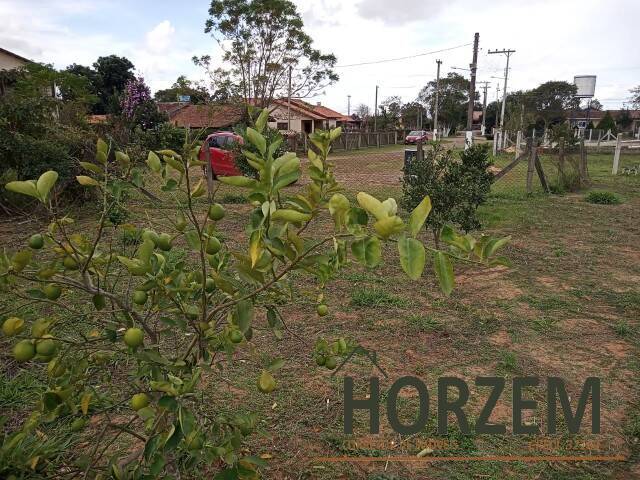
(378, 139)
(531, 167)
(616, 155)
(561, 158)
(359, 144)
(583, 170)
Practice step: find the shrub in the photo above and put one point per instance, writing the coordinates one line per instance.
(159, 321)
(456, 186)
(602, 197)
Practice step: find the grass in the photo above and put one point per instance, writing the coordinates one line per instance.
(424, 323)
(602, 197)
(376, 297)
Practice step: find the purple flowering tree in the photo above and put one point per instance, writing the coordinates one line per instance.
(137, 105)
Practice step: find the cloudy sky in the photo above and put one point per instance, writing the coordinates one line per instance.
(553, 39)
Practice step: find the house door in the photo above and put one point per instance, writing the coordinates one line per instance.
(307, 126)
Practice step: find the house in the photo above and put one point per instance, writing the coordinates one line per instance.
(215, 117)
(306, 117)
(11, 61)
(578, 118)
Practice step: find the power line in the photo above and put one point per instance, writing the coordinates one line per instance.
(374, 62)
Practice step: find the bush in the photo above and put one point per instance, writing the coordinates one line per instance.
(159, 321)
(603, 197)
(456, 186)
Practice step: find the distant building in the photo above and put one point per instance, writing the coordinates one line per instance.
(579, 119)
(306, 117)
(215, 117)
(11, 61)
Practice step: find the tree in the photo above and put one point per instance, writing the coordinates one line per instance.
(263, 40)
(456, 186)
(607, 123)
(453, 98)
(138, 108)
(635, 97)
(624, 120)
(595, 105)
(162, 325)
(552, 99)
(363, 112)
(183, 86)
(414, 115)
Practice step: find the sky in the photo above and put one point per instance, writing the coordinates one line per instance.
(552, 39)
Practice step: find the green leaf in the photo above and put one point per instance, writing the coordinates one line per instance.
(494, 245)
(444, 271)
(102, 147)
(367, 251)
(388, 226)
(45, 184)
(87, 181)
(261, 122)
(153, 161)
(257, 140)
(239, 181)
(372, 205)
(412, 256)
(25, 188)
(450, 237)
(123, 159)
(289, 215)
(275, 365)
(284, 180)
(91, 167)
(419, 216)
(244, 314)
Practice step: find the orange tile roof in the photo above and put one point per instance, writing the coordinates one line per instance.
(202, 116)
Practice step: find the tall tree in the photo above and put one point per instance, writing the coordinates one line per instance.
(552, 100)
(452, 99)
(414, 115)
(635, 97)
(261, 40)
(183, 86)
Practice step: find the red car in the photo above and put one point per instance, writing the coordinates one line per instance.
(220, 146)
(415, 136)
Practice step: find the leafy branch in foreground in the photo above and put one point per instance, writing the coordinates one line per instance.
(106, 309)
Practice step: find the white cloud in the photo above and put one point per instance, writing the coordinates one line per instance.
(160, 37)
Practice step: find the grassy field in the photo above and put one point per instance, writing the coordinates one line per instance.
(569, 307)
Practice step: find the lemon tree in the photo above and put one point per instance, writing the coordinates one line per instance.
(164, 325)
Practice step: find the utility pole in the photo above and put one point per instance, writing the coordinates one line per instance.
(485, 86)
(349, 105)
(375, 112)
(472, 85)
(435, 108)
(289, 103)
(506, 76)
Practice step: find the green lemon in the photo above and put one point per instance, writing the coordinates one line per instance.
(52, 291)
(24, 351)
(181, 222)
(320, 360)
(248, 334)
(216, 212)
(210, 285)
(36, 241)
(213, 246)
(140, 297)
(149, 234)
(46, 347)
(331, 363)
(266, 382)
(139, 400)
(40, 327)
(133, 337)
(236, 336)
(69, 263)
(322, 310)
(12, 326)
(164, 242)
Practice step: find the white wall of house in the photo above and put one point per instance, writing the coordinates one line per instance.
(9, 62)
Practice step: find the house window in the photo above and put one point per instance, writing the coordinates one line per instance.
(283, 126)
